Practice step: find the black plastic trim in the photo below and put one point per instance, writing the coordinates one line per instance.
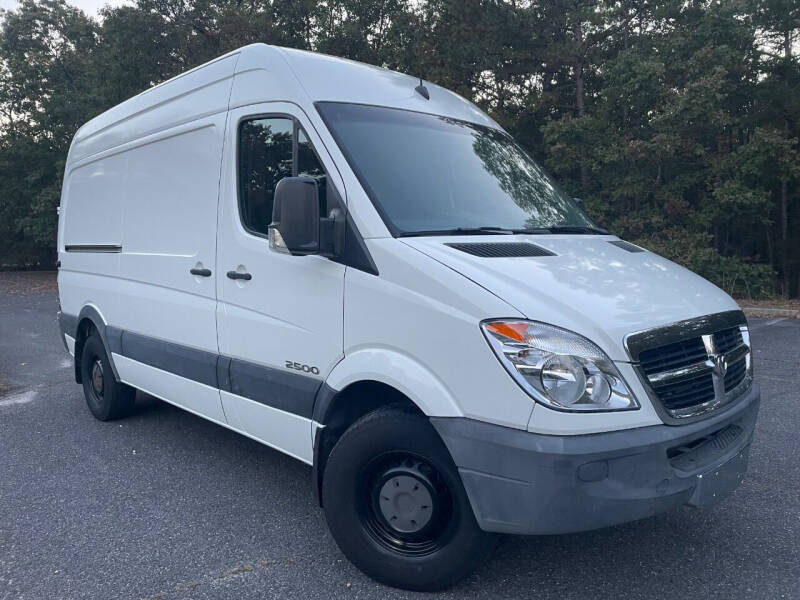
(114, 339)
(627, 246)
(356, 254)
(102, 248)
(500, 249)
(290, 392)
(197, 365)
(91, 313)
(224, 373)
(237, 275)
(323, 402)
(68, 324)
(316, 468)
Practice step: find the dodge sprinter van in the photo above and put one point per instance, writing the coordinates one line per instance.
(364, 271)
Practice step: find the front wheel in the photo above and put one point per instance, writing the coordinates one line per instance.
(395, 504)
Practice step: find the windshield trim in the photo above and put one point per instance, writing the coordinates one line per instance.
(393, 229)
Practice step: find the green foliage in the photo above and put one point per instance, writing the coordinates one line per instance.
(677, 122)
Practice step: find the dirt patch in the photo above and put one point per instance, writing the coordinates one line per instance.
(788, 309)
(27, 282)
(771, 304)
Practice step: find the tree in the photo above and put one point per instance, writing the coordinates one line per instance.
(676, 121)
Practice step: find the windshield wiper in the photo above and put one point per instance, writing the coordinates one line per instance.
(575, 229)
(506, 231)
(460, 231)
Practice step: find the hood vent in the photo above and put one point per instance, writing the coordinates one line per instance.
(627, 246)
(501, 249)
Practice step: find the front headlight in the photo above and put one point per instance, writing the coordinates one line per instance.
(558, 368)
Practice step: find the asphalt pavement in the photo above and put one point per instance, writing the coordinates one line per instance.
(165, 505)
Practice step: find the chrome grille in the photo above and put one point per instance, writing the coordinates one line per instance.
(694, 366)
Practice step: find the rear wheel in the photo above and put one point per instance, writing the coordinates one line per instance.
(106, 397)
(395, 504)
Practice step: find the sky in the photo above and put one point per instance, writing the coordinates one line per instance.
(88, 6)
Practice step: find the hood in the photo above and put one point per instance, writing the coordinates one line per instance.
(589, 285)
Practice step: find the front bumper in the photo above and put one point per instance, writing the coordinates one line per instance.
(527, 483)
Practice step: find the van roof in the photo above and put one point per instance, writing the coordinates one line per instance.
(262, 73)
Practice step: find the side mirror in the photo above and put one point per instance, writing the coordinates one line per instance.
(295, 216)
(579, 202)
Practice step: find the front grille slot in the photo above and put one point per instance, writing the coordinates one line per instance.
(705, 450)
(727, 339)
(686, 393)
(735, 374)
(673, 356)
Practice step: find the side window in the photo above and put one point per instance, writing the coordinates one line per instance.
(270, 149)
(265, 157)
(307, 162)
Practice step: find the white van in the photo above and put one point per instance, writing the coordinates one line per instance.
(365, 272)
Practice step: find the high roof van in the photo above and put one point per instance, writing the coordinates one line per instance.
(364, 271)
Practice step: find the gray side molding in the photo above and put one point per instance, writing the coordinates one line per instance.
(288, 391)
(68, 324)
(197, 365)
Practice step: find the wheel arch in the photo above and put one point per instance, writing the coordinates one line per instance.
(90, 319)
(356, 387)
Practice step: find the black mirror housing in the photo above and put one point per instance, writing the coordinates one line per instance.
(295, 215)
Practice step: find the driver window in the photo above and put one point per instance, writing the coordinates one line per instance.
(271, 148)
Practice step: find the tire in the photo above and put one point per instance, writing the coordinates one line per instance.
(106, 397)
(379, 478)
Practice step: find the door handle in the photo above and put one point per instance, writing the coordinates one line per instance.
(201, 272)
(237, 275)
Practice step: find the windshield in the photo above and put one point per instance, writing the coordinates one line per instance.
(427, 173)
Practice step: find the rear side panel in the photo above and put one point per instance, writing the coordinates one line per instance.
(138, 212)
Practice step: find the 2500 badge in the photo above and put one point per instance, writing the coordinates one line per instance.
(290, 364)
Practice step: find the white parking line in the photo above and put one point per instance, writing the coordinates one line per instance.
(21, 398)
(768, 323)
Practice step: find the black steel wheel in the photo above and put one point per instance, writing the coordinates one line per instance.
(396, 506)
(405, 504)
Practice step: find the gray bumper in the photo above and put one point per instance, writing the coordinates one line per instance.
(521, 482)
